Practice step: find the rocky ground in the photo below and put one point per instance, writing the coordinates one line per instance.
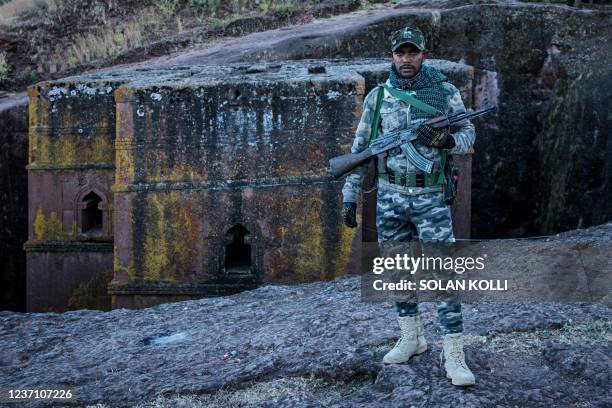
(313, 345)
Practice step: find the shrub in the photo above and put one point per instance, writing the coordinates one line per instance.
(219, 23)
(203, 3)
(27, 76)
(263, 5)
(168, 7)
(284, 9)
(3, 67)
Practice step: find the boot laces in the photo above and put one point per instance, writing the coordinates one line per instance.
(407, 335)
(457, 356)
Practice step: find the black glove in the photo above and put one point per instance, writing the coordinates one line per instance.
(349, 214)
(449, 143)
(430, 136)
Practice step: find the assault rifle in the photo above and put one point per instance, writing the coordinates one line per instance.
(340, 165)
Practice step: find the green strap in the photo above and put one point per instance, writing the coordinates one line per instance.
(376, 121)
(406, 97)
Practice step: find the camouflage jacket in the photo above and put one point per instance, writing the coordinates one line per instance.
(394, 115)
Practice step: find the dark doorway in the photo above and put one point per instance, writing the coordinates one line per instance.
(91, 215)
(237, 251)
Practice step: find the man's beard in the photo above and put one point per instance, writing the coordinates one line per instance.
(413, 71)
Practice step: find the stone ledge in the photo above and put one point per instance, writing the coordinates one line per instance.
(105, 245)
(223, 184)
(71, 166)
(191, 289)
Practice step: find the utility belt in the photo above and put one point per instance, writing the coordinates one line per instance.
(412, 179)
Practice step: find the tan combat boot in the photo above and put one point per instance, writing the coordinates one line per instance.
(412, 341)
(454, 360)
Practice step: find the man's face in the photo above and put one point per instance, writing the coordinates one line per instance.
(408, 59)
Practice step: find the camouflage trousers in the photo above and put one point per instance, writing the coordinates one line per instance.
(399, 216)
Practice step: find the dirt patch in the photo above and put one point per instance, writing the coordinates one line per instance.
(259, 392)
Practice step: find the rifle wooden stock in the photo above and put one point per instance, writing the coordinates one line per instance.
(343, 164)
(381, 162)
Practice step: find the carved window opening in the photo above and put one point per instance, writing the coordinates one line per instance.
(91, 214)
(238, 251)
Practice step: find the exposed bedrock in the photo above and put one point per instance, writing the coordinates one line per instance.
(539, 166)
(309, 345)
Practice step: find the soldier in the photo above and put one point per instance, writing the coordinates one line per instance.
(408, 197)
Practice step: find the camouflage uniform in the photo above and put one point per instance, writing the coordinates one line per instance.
(400, 208)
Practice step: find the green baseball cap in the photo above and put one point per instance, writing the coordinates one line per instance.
(407, 35)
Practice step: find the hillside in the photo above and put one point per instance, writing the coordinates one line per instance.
(46, 39)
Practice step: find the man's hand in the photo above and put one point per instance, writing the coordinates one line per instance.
(429, 136)
(349, 214)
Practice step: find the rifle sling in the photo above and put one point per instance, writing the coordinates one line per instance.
(406, 97)
(376, 121)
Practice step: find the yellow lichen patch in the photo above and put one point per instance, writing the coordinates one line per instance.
(54, 227)
(74, 230)
(65, 151)
(40, 226)
(283, 232)
(39, 148)
(50, 229)
(181, 171)
(38, 119)
(171, 237)
(102, 150)
(347, 235)
(155, 245)
(183, 248)
(308, 237)
(304, 249)
(92, 294)
(33, 108)
(156, 164)
(115, 261)
(124, 172)
(68, 147)
(109, 224)
(123, 273)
